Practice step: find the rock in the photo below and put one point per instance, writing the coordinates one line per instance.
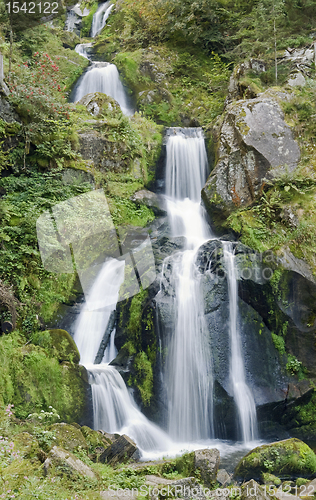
(223, 478)
(288, 458)
(65, 346)
(120, 451)
(149, 199)
(97, 443)
(109, 437)
(69, 39)
(6, 326)
(270, 479)
(253, 144)
(26, 444)
(252, 491)
(68, 437)
(100, 105)
(7, 113)
(206, 463)
(67, 463)
(297, 80)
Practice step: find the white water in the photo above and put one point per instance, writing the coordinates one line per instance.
(242, 393)
(104, 77)
(189, 367)
(81, 49)
(100, 18)
(100, 302)
(73, 17)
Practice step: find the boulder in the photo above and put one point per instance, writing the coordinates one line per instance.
(149, 199)
(206, 464)
(120, 451)
(97, 443)
(7, 113)
(100, 105)
(297, 80)
(60, 460)
(253, 491)
(68, 437)
(253, 144)
(65, 346)
(287, 458)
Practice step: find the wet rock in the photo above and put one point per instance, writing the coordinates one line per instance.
(60, 460)
(288, 458)
(68, 437)
(253, 144)
(120, 451)
(65, 346)
(206, 463)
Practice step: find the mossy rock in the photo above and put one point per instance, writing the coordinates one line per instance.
(94, 439)
(101, 105)
(65, 346)
(26, 444)
(285, 459)
(271, 479)
(69, 39)
(68, 437)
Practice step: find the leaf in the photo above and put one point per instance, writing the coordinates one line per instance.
(287, 188)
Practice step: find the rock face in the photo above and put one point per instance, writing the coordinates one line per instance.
(207, 463)
(253, 144)
(67, 463)
(288, 458)
(121, 450)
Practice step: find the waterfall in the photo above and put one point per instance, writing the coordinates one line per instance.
(100, 18)
(114, 409)
(103, 77)
(242, 394)
(81, 49)
(189, 366)
(100, 302)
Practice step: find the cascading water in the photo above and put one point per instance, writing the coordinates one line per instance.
(81, 49)
(114, 409)
(242, 394)
(189, 367)
(100, 18)
(103, 77)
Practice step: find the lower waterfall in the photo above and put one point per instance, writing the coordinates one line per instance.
(242, 393)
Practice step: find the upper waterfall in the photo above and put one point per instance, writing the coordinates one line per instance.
(100, 18)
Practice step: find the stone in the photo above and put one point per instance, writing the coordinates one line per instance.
(223, 478)
(254, 144)
(120, 451)
(253, 491)
(68, 437)
(287, 458)
(149, 199)
(97, 443)
(66, 462)
(7, 112)
(206, 463)
(100, 105)
(297, 80)
(65, 346)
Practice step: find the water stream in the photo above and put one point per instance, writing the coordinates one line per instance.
(100, 18)
(189, 367)
(242, 393)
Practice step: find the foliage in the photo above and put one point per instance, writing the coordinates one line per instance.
(279, 343)
(293, 365)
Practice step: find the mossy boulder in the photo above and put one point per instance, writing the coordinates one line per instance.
(26, 444)
(94, 439)
(65, 346)
(101, 105)
(68, 437)
(286, 459)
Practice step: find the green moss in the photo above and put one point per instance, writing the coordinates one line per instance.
(87, 20)
(143, 378)
(290, 457)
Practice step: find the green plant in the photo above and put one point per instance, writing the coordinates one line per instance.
(293, 365)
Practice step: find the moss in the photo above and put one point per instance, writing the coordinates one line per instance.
(143, 378)
(61, 342)
(68, 437)
(87, 20)
(288, 458)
